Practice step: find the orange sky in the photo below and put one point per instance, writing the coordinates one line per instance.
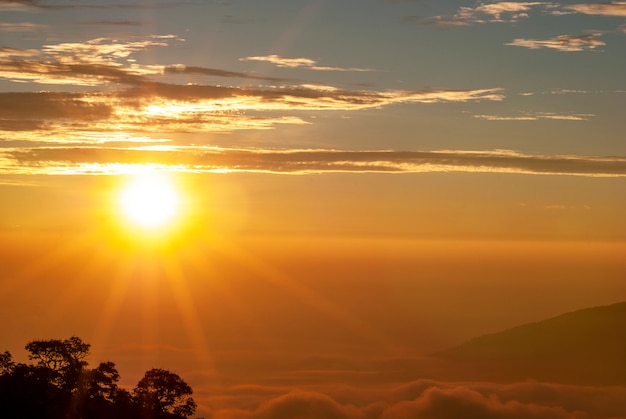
(358, 184)
(291, 282)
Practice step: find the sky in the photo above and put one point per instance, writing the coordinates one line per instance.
(358, 184)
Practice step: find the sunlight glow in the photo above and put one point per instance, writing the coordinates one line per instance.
(150, 201)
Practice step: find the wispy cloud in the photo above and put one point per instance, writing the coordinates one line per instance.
(442, 21)
(25, 2)
(35, 5)
(568, 91)
(605, 9)
(113, 23)
(503, 11)
(17, 5)
(21, 27)
(103, 160)
(104, 50)
(183, 69)
(14, 52)
(566, 43)
(539, 116)
(298, 62)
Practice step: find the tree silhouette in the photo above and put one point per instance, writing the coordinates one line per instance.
(6, 363)
(163, 394)
(60, 386)
(63, 357)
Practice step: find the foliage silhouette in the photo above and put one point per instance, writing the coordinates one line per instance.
(161, 393)
(59, 385)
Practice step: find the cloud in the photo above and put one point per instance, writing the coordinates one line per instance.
(145, 106)
(503, 11)
(462, 402)
(103, 50)
(27, 2)
(605, 9)
(567, 91)
(298, 62)
(21, 27)
(114, 23)
(443, 21)
(566, 43)
(17, 5)
(14, 52)
(51, 106)
(96, 62)
(73, 73)
(151, 107)
(183, 69)
(35, 5)
(101, 160)
(538, 116)
(438, 400)
(500, 11)
(296, 405)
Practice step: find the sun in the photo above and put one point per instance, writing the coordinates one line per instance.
(150, 201)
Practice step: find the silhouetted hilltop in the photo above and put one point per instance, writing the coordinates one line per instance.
(584, 347)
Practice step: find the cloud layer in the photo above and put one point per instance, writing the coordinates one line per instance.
(440, 400)
(96, 160)
(137, 99)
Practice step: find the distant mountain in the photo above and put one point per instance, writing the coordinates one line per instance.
(582, 347)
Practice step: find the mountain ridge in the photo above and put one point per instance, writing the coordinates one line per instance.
(586, 346)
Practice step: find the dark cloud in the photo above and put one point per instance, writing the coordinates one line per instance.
(38, 106)
(63, 73)
(182, 69)
(202, 159)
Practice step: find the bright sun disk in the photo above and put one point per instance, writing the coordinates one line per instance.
(149, 201)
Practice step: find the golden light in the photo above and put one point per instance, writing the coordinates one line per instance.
(150, 201)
